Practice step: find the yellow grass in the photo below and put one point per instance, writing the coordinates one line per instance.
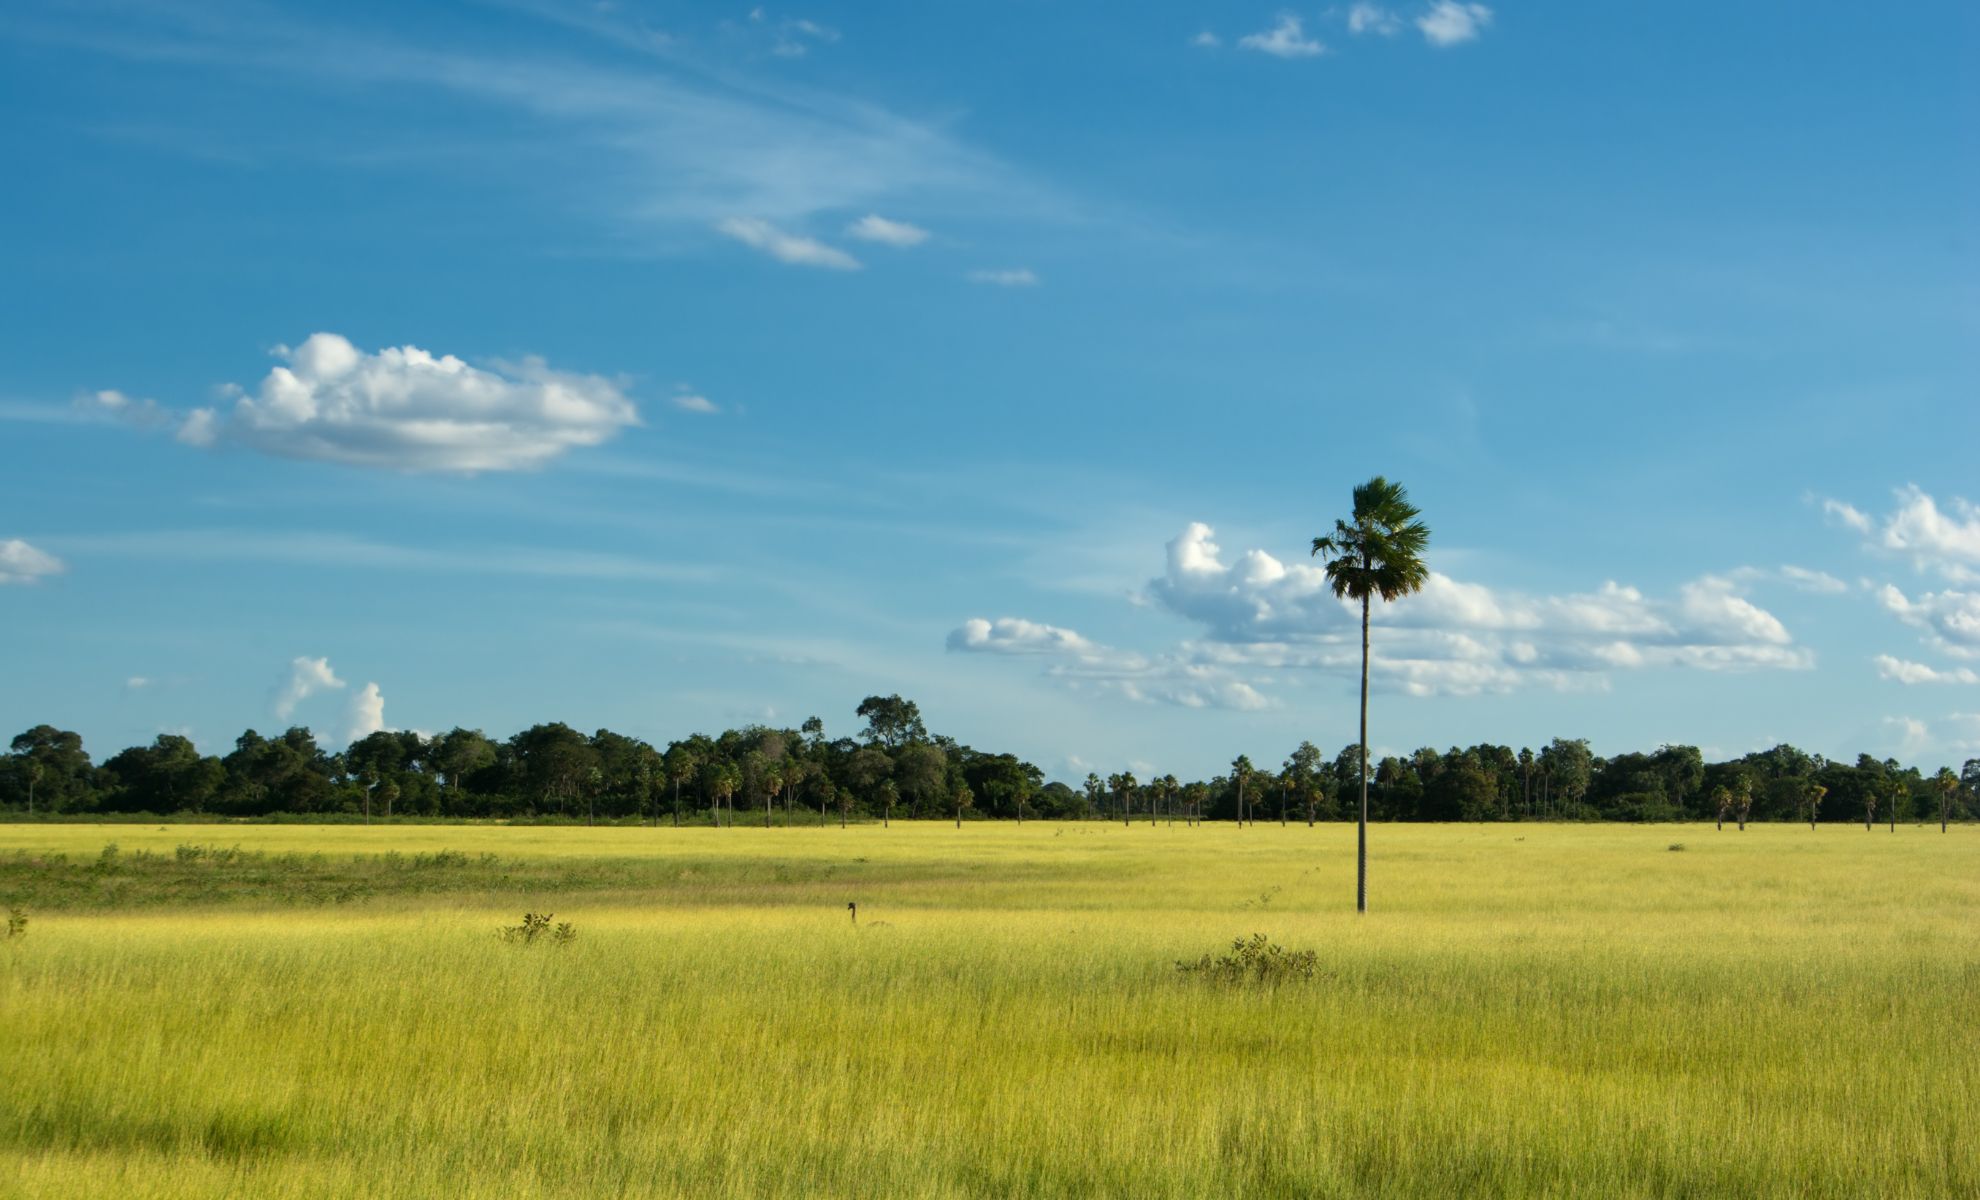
(1529, 1010)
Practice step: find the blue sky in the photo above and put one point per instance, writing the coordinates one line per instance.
(665, 367)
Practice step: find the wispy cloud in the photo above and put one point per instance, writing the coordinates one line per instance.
(22, 563)
(791, 248)
(1006, 277)
(875, 228)
(1373, 18)
(335, 551)
(1287, 39)
(678, 141)
(1908, 672)
(692, 401)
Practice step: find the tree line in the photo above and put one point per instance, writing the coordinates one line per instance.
(896, 768)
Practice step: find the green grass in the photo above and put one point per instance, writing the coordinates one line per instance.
(1530, 1010)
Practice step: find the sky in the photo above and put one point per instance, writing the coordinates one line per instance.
(669, 367)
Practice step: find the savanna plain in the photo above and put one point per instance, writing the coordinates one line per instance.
(1528, 1010)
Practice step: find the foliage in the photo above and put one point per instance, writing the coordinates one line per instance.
(1256, 959)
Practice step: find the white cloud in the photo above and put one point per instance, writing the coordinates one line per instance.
(1206, 40)
(695, 402)
(201, 428)
(1014, 635)
(1905, 671)
(1461, 637)
(875, 228)
(1006, 277)
(136, 683)
(1287, 39)
(1846, 515)
(22, 563)
(1820, 582)
(145, 413)
(405, 409)
(367, 712)
(1373, 18)
(790, 248)
(307, 677)
(1950, 619)
(1933, 538)
(1451, 23)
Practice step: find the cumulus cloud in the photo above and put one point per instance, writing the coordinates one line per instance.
(1907, 672)
(405, 409)
(1950, 619)
(367, 713)
(691, 401)
(759, 234)
(1287, 39)
(1461, 637)
(1373, 18)
(1933, 538)
(307, 677)
(875, 228)
(1451, 23)
(1006, 277)
(1910, 734)
(22, 563)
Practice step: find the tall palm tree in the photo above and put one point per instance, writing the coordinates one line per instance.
(1948, 785)
(1376, 552)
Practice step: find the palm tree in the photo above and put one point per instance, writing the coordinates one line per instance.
(1724, 799)
(1813, 793)
(1378, 552)
(1948, 785)
(1745, 801)
(1241, 771)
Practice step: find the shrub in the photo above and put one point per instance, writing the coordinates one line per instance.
(17, 922)
(1257, 959)
(535, 927)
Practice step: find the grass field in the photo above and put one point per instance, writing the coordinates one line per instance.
(1528, 1010)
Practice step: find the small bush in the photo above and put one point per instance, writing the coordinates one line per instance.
(1674, 846)
(1257, 959)
(17, 922)
(536, 927)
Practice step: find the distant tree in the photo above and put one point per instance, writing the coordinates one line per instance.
(1870, 798)
(1743, 800)
(891, 721)
(1722, 797)
(964, 798)
(1947, 784)
(1378, 551)
(1811, 799)
(1241, 773)
(1095, 792)
(682, 765)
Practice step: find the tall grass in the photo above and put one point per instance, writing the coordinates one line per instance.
(1527, 1011)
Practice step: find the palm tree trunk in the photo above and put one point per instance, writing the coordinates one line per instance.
(1361, 828)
